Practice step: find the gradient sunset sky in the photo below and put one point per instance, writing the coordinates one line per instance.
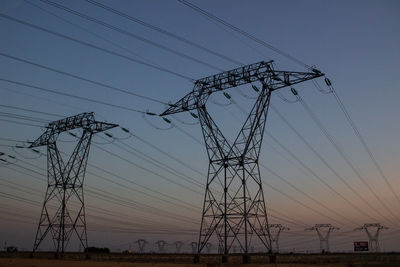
(151, 184)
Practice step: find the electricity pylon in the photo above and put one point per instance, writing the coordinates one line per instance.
(141, 244)
(373, 236)
(324, 232)
(178, 246)
(275, 231)
(65, 181)
(161, 245)
(239, 212)
(194, 247)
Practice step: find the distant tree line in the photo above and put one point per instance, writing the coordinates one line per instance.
(96, 250)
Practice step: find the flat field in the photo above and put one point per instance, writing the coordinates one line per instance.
(179, 260)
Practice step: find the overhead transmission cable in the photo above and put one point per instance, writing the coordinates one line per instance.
(163, 31)
(71, 95)
(315, 175)
(361, 139)
(146, 208)
(343, 155)
(90, 32)
(325, 162)
(242, 32)
(107, 51)
(130, 34)
(340, 103)
(82, 78)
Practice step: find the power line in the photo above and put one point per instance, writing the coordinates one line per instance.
(362, 141)
(106, 195)
(30, 110)
(343, 155)
(129, 34)
(242, 32)
(70, 95)
(327, 164)
(82, 78)
(22, 123)
(148, 170)
(165, 32)
(95, 47)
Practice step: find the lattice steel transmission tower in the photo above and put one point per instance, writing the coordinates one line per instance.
(275, 231)
(141, 244)
(65, 182)
(234, 208)
(373, 236)
(324, 232)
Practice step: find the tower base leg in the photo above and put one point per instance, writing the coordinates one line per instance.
(196, 258)
(224, 258)
(245, 258)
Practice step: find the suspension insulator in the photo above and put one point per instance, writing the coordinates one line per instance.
(294, 91)
(109, 135)
(74, 135)
(194, 115)
(328, 82)
(11, 156)
(166, 120)
(255, 88)
(151, 113)
(172, 105)
(36, 151)
(227, 95)
(3, 160)
(316, 71)
(125, 130)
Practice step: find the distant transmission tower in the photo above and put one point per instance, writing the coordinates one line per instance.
(324, 232)
(141, 244)
(275, 230)
(178, 246)
(373, 230)
(65, 182)
(239, 212)
(194, 247)
(161, 245)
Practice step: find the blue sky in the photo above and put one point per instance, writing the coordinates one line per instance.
(356, 43)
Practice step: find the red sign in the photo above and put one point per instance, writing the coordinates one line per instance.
(361, 246)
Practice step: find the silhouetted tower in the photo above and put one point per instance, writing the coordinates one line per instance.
(161, 245)
(373, 230)
(141, 244)
(194, 247)
(234, 207)
(275, 230)
(324, 232)
(178, 246)
(65, 181)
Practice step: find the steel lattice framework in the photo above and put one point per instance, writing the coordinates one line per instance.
(324, 232)
(276, 230)
(234, 208)
(65, 181)
(373, 230)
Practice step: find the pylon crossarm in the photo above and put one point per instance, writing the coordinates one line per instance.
(85, 121)
(260, 71)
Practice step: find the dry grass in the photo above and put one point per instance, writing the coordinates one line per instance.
(180, 260)
(17, 262)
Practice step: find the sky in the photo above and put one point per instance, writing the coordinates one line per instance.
(149, 183)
